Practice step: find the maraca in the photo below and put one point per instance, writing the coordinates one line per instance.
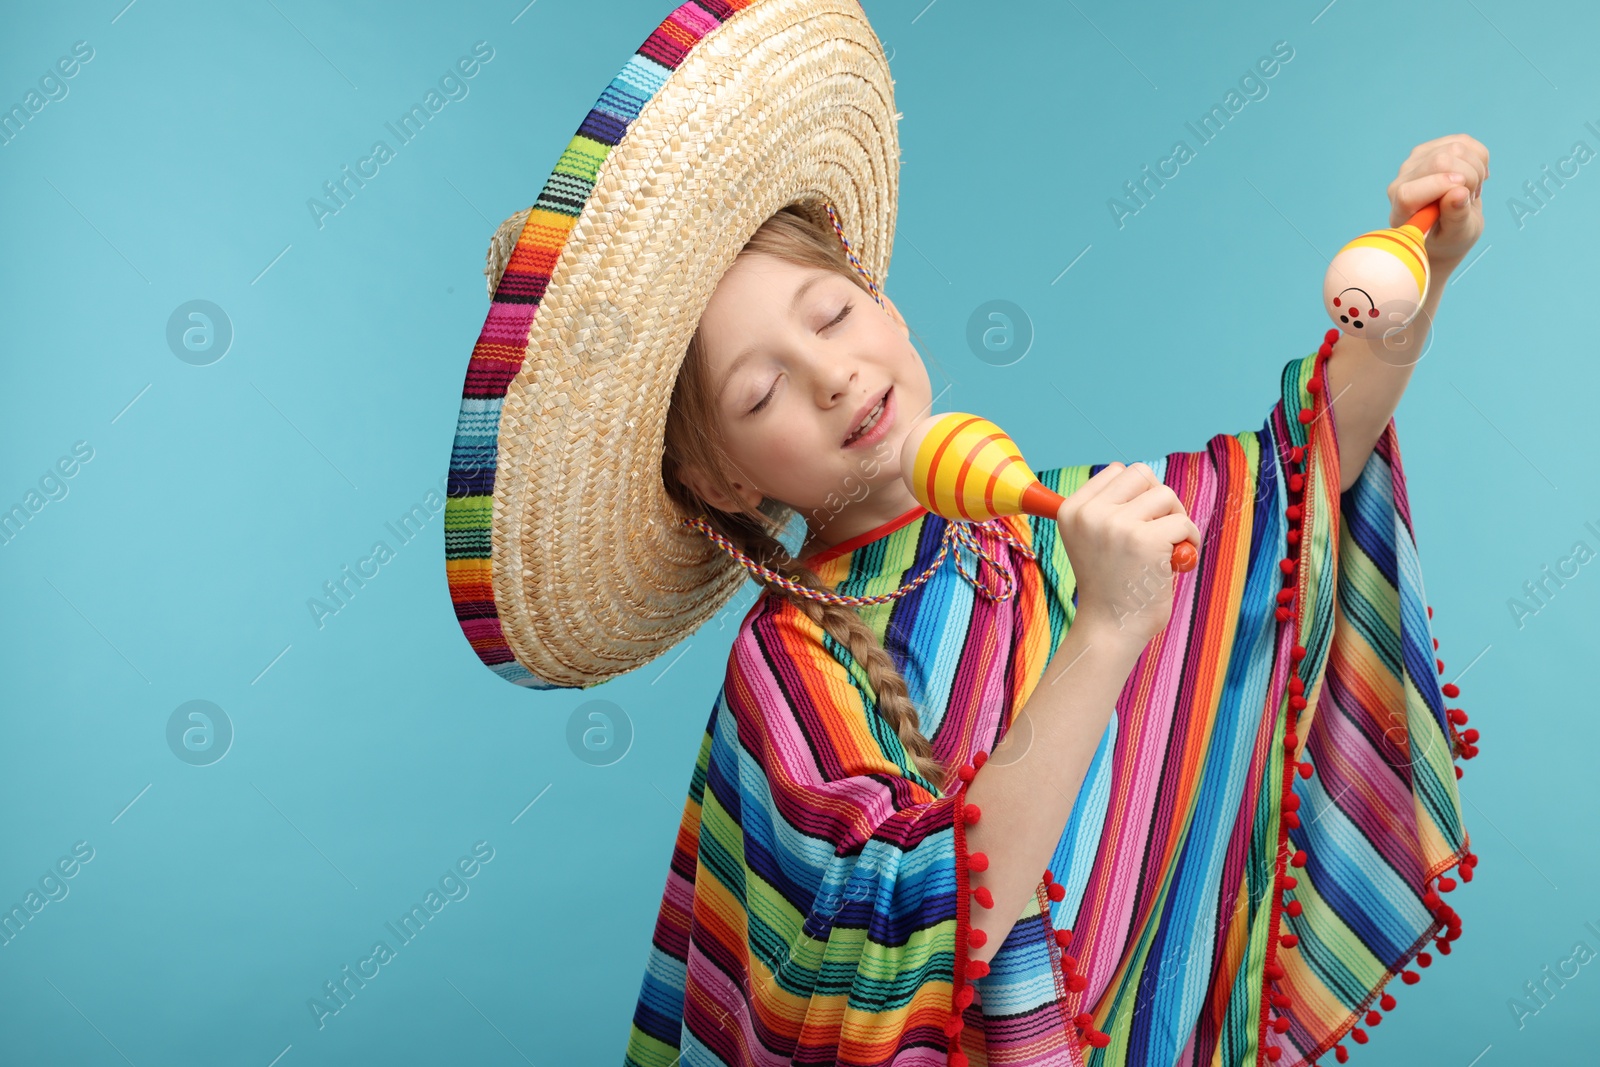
(965, 467)
(1377, 282)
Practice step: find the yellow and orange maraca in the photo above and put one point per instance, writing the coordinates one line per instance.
(965, 467)
(1377, 282)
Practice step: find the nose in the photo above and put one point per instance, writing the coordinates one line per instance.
(835, 378)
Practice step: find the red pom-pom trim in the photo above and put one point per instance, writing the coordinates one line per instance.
(1077, 983)
(976, 969)
(1097, 1038)
(1274, 1052)
(983, 896)
(977, 939)
(978, 861)
(971, 813)
(1387, 1002)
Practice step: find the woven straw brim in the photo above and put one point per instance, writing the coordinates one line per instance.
(567, 561)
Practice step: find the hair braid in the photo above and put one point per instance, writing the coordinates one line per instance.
(847, 627)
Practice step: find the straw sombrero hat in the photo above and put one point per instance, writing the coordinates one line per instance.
(567, 562)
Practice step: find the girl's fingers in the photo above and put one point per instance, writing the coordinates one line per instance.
(1132, 481)
(1459, 143)
(1413, 194)
(1096, 484)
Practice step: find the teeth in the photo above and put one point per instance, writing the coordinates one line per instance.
(869, 422)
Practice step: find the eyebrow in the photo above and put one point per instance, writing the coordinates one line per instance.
(739, 360)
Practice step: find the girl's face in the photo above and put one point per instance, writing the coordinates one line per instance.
(796, 356)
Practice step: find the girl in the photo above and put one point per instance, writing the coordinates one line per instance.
(904, 840)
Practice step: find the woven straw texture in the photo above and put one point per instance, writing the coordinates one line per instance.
(566, 559)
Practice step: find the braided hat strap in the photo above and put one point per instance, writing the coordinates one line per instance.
(955, 532)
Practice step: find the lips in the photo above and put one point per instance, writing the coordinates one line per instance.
(878, 427)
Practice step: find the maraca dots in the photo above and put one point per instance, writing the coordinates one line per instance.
(1275, 988)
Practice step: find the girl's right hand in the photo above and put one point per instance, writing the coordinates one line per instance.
(1118, 529)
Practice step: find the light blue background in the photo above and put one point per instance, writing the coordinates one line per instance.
(372, 752)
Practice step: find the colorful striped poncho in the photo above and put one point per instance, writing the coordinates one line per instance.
(1259, 844)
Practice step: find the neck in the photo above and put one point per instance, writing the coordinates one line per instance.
(883, 503)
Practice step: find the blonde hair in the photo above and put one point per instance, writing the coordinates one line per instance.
(693, 437)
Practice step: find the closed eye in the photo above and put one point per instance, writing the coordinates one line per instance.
(833, 322)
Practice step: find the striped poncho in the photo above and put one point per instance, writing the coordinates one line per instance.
(1258, 847)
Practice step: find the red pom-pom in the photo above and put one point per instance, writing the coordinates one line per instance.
(1279, 1000)
(972, 813)
(1286, 565)
(1387, 1002)
(1083, 1020)
(1341, 1054)
(1096, 1038)
(1296, 453)
(976, 969)
(1069, 963)
(958, 1059)
(1360, 1035)
(1298, 859)
(1424, 960)
(1446, 884)
(1291, 820)
(980, 758)
(1450, 689)
(1458, 774)
(1410, 977)
(1291, 802)
(1331, 336)
(1293, 512)
(1471, 735)
(1305, 770)
(1274, 970)
(983, 896)
(1430, 611)
(1297, 653)
(1441, 946)
(1049, 876)
(1294, 908)
(1435, 642)
(1306, 415)
(1063, 937)
(954, 1026)
(1296, 482)
(1373, 1018)
(1314, 385)
(1281, 1024)
(1288, 941)
(977, 938)
(1281, 614)
(1077, 983)
(1287, 881)
(1457, 716)
(963, 997)
(1466, 872)
(1055, 891)
(1285, 595)
(1298, 703)
(1273, 1052)
(967, 772)
(1439, 663)
(978, 861)
(1431, 899)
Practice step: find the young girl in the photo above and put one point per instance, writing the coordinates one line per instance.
(974, 792)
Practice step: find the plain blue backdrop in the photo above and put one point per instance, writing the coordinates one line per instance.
(210, 498)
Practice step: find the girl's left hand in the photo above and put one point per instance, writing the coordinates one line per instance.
(1453, 168)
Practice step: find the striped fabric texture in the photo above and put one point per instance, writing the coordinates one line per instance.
(1229, 901)
(502, 344)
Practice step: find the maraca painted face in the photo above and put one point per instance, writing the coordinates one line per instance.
(1352, 306)
(816, 387)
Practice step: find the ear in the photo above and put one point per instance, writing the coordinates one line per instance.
(748, 498)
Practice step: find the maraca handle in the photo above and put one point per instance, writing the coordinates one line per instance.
(1425, 217)
(1042, 501)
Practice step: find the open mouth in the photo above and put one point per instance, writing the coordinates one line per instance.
(876, 422)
